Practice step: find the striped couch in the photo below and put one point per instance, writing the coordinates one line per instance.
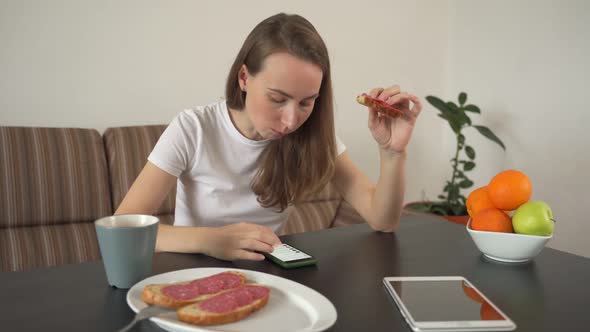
(54, 182)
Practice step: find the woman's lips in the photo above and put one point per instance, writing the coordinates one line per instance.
(277, 133)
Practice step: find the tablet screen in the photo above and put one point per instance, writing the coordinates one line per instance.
(443, 300)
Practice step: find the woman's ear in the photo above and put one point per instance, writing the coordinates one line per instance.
(243, 76)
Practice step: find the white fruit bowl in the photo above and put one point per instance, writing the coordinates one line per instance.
(507, 247)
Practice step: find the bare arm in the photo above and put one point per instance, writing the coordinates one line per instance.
(229, 242)
(148, 191)
(381, 204)
(145, 196)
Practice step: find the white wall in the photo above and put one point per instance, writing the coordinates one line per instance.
(112, 63)
(527, 65)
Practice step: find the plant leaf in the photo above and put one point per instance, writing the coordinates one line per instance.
(447, 187)
(462, 199)
(442, 197)
(420, 207)
(446, 113)
(490, 135)
(464, 118)
(455, 126)
(438, 103)
(470, 152)
(469, 165)
(457, 210)
(457, 120)
(471, 108)
(461, 138)
(462, 98)
(452, 106)
(466, 183)
(439, 210)
(453, 193)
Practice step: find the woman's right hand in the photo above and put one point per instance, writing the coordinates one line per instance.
(239, 241)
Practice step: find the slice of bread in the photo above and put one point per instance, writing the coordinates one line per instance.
(227, 307)
(378, 105)
(178, 294)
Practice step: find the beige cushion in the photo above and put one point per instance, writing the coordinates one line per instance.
(23, 248)
(52, 176)
(127, 149)
(346, 215)
(166, 219)
(309, 217)
(314, 214)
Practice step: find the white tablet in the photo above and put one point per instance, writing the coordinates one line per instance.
(445, 304)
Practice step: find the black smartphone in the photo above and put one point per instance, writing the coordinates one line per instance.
(289, 257)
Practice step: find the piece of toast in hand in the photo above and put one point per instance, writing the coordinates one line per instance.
(378, 105)
(227, 307)
(178, 294)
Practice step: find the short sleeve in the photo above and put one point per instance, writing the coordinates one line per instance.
(176, 147)
(340, 147)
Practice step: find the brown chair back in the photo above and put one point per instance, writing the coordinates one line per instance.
(53, 185)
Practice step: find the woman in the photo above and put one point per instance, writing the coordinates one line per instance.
(239, 164)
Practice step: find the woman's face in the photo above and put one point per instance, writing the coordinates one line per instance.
(281, 97)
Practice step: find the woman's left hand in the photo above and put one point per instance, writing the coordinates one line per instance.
(393, 134)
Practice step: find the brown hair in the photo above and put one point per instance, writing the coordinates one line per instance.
(302, 163)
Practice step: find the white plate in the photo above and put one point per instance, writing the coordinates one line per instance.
(291, 305)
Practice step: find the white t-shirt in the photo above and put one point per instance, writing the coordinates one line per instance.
(214, 164)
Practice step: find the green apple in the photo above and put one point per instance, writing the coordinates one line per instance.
(533, 218)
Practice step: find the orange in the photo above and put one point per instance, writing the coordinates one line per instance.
(510, 189)
(492, 220)
(471, 293)
(487, 312)
(478, 200)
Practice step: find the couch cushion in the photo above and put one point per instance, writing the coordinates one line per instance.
(23, 248)
(127, 150)
(347, 215)
(166, 219)
(314, 214)
(309, 217)
(52, 176)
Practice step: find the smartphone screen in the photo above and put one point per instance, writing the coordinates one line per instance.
(289, 257)
(286, 253)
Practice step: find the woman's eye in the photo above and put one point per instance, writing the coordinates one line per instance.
(276, 101)
(306, 104)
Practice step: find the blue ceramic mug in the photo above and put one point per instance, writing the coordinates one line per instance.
(127, 243)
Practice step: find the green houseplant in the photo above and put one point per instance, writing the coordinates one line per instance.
(452, 202)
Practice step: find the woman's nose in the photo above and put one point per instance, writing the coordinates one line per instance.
(289, 118)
